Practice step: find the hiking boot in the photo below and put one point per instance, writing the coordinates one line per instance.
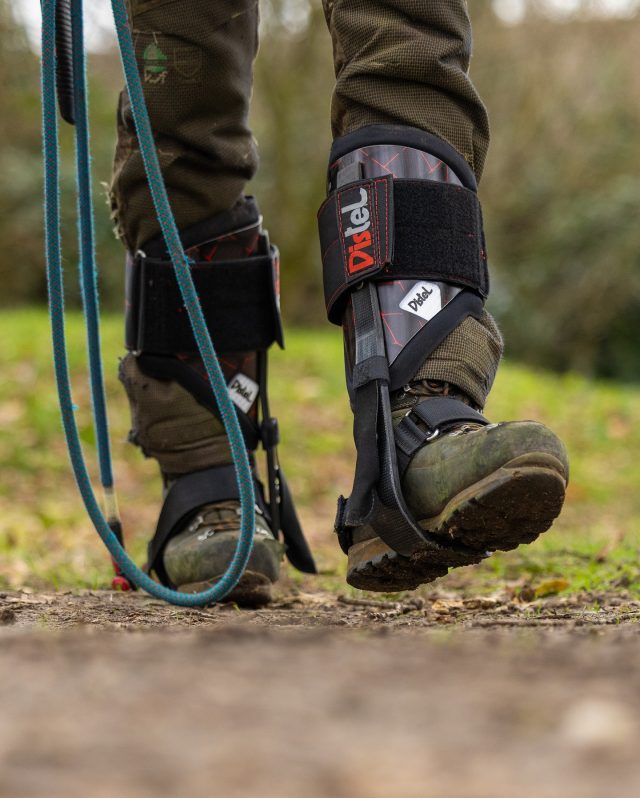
(486, 488)
(198, 556)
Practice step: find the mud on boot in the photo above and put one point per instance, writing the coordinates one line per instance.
(199, 555)
(485, 487)
(175, 418)
(405, 274)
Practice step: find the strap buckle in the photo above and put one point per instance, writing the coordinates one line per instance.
(269, 433)
(428, 437)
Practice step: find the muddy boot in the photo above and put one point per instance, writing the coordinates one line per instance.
(405, 272)
(175, 415)
(486, 487)
(198, 556)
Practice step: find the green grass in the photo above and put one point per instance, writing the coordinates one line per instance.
(46, 540)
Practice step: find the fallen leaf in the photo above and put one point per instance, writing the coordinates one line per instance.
(481, 603)
(446, 605)
(551, 587)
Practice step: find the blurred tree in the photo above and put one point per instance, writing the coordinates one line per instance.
(293, 84)
(561, 191)
(22, 271)
(20, 199)
(562, 188)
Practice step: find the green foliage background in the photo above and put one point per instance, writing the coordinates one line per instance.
(46, 539)
(561, 191)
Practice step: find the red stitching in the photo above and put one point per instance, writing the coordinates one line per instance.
(386, 219)
(386, 216)
(374, 191)
(345, 265)
(332, 244)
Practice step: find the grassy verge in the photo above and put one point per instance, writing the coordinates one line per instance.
(46, 540)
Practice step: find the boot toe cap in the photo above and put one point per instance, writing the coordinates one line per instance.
(452, 463)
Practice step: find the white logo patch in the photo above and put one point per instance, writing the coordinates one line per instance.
(423, 300)
(243, 391)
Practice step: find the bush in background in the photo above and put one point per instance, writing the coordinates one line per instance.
(561, 191)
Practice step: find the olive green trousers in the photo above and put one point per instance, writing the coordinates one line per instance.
(397, 62)
(400, 62)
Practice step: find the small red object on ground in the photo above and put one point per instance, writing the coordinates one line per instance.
(120, 583)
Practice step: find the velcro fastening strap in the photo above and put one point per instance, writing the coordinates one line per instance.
(437, 414)
(239, 300)
(400, 229)
(440, 411)
(356, 236)
(185, 497)
(373, 368)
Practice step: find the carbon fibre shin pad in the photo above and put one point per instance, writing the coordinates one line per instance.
(404, 264)
(236, 272)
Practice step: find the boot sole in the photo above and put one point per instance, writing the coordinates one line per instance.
(253, 590)
(513, 505)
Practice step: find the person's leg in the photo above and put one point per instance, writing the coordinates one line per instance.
(196, 59)
(405, 62)
(405, 270)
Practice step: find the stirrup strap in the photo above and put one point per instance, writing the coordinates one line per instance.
(185, 498)
(426, 421)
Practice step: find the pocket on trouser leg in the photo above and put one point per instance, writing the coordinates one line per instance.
(168, 424)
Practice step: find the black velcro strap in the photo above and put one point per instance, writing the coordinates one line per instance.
(437, 414)
(297, 551)
(239, 301)
(400, 229)
(185, 497)
(440, 411)
(373, 368)
(356, 236)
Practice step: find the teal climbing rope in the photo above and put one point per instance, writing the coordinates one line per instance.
(50, 134)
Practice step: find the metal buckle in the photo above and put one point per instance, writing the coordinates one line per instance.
(430, 437)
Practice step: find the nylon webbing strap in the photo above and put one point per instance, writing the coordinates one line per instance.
(400, 229)
(297, 551)
(436, 414)
(239, 301)
(439, 411)
(186, 496)
(376, 499)
(369, 348)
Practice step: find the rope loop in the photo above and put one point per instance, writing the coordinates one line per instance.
(50, 135)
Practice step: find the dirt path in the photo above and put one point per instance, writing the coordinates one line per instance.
(106, 695)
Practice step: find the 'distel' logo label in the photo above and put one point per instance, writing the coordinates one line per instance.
(358, 239)
(243, 391)
(424, 300)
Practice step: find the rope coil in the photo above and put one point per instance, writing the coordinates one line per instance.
(50, 133)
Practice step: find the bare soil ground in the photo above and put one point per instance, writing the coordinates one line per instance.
(106, 694)
(515, 678)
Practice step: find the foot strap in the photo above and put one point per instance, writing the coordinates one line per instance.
(426, 421)
(189, 493)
